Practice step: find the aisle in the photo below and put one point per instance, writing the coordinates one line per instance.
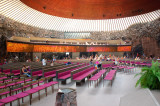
(123, 84)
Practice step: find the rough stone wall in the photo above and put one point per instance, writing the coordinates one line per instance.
(146, 34)
(149, 44)
(9, 28)
(150, 29)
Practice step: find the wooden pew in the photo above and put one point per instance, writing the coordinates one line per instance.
(66, 71)
(80, 74)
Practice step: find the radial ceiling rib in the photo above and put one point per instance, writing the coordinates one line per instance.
(18, 11)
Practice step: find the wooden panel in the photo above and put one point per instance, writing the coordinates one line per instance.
(101, 49)
(27, 47)
(93, 9)
(50, 48)
(19, 47)
(123, 48)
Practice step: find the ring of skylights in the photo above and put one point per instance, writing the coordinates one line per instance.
(20, 12)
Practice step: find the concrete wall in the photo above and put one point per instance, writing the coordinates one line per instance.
(75, 54)
(37, 54)
(112, 53)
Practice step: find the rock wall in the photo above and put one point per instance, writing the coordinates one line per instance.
(147, 34)
(9, 28)
(150, 29)
(149, 44)
(2, 47)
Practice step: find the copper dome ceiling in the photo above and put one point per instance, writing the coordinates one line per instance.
(22, 13)
(93, 9)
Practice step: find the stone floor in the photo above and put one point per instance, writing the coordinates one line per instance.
(156, 94)
(123, 84)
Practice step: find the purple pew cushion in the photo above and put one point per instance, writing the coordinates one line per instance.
(3, 77)
(110, 75)
(51, 83)
(40, 87)
(53, 75)
(31, 91)
(1, 104)
(82, 76)
(6, 71)
(21, 95)
(109, 78)
(65, 76)
(4, 93)
(49, 73)
(8, 99)
(16, 72)
(35, 73)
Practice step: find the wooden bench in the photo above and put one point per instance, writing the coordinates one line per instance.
(61, 72)
(80, 75)
(37, 73)
(64, 74)
(97, 77)
(50, 71)
(7, 71)
(110, 76)
(16, 72)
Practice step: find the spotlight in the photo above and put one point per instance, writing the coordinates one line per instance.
(44, 7)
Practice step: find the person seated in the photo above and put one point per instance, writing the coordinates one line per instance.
(116, 61)
(91, 61)
(158, 58)
(100, 64)
(27, 60)
(25, 71)
(96, 64)
(108, 59)
(10, 61)
(16, 58)
(5, 61)
(28, 69)
(54, 59)
(136, 58)
(68, 63)
(122, 58)
(52, 63)
(96, 57)
(77, 58)
(44, 62)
